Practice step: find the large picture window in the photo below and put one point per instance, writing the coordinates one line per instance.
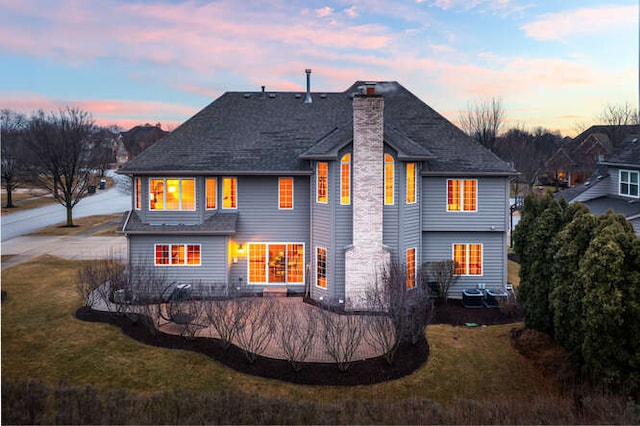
(285, 191)
(211, 189)
(172, 194)
(276, 263)
(468, 258)
(321, 267)
(462, 195)
(177, 254)
(389, 179)
(629, 183)
(322, 181)
(345, 179)
(229, 193)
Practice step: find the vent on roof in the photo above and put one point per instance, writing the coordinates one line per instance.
(298, 95)
(272, 95)
(323, 96)
(307, 98)
(247, 95)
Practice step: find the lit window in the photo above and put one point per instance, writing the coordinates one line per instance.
(388, 179)
(138, 193)
(172, 194)
(321, 267)
(629, 183)
(411, 268)
(177, 254)
(411, 183)
(276, 263)
(322, 176)
(229, 193)
(211, 192)
(345, 179)
(468, 258)
(286, 192)
(462, 195)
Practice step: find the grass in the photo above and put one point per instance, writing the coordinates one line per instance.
(513, 273)
(42, 339)
(84, 224)
(25, 201)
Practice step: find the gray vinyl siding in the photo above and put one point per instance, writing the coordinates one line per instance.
(170, 217)
(342, 229)
(391, 213)
(260, 220)
(438, 246)
(608, 185)
(213, 254)
(409, 216)
(323, 233)
(492, 204)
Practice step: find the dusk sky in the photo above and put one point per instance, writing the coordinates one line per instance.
(554, 64)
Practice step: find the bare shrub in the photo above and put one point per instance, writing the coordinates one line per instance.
(226, 317)
(296, 334)
(105, 282)
(341, 335)
(509, 305)
(442, 273)
(380, 331)
(257, 326)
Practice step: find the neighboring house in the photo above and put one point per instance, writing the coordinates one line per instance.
(615, 185)
(576, 160)
(314, 192)
(139, 138)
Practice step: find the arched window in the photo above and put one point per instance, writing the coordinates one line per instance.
(388, 179)
(345, 179)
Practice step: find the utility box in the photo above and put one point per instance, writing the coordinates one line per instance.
(472, 298)
(492, 297)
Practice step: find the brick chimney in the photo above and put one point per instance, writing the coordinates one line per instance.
(367, 256)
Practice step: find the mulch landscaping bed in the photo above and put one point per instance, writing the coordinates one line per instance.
(408, 358)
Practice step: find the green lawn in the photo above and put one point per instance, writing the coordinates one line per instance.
(42, 339)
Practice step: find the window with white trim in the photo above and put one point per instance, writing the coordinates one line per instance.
(321, 267)
(285, 193)
(177, 254)
(211, 192)
(411, 267)
(229, 193)
(462, 195)
(345, 179)
(172, 194)
(138, 193)
(468, 258)
(411, 183)
(389, 180)
(322, 182)
(629, 183)
(276, 263)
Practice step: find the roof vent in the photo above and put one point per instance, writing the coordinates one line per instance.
(263, 93)
(323, 96)
(307, 98)
(272, 95)
(247, 95)
(298, 95)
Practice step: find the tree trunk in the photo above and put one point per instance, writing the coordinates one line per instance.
(9, 198)
(69, 216)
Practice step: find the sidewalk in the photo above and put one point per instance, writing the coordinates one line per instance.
(68, 247)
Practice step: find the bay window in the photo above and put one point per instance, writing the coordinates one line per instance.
(211, 193)
(345, 179)
(322, 181)
(411, 183)
(389, 179)
(172, 194)
(229, 193)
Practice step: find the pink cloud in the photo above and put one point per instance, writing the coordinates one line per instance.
(562, 25)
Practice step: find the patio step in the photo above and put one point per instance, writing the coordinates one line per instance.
(274, 292)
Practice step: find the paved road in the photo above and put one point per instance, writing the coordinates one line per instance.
(114, 200)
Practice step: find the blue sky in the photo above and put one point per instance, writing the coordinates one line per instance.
(555, 64)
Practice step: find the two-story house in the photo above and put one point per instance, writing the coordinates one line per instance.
(615, 185)
(314, 192)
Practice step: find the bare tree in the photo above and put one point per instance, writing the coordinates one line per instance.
(12, 156)
(380, 331)
(341, 335)
(296, 333)
(62, 154)
(618, 116)
(257, 326)
(226, 317)
(482, 120)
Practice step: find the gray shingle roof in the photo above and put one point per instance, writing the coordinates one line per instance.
(218, 224)
(250, 133)
(628, 207)
(627, 154)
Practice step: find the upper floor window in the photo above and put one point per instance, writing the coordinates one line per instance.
(229, 193)
(345, 179)
(462, 195)
(138, 193)
(177, 254)
(411, 183)
(211, 190)
(389, 170)
(321, 267)
(322, 176)
(285, 192)
(468, 258)
(172, 194)
(411, 268)
(629, 183)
